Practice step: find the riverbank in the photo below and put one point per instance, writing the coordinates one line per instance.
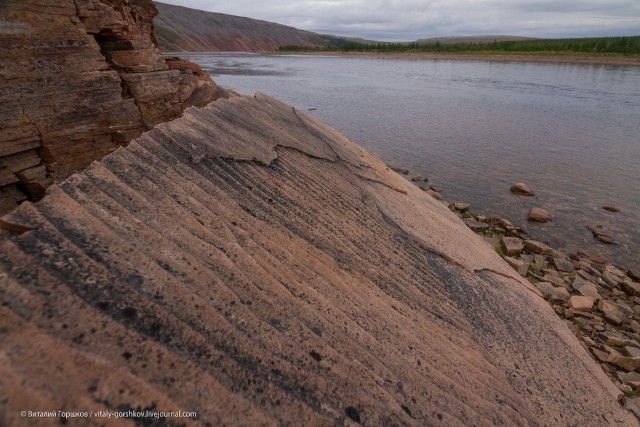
(569, 59)
(599, 301)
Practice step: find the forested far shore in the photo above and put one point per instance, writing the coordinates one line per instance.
(628, 45)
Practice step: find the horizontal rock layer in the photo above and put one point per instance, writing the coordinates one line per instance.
(79, 78)
(251, 264)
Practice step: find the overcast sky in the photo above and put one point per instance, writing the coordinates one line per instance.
(413, 19)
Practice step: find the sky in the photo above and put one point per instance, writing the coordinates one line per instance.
(413, 19)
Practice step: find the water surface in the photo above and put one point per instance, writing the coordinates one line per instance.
(570, 131)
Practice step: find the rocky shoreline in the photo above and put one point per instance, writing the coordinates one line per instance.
(599, 301)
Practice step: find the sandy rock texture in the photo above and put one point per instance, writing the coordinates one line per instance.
(79, 78)
(249, 263)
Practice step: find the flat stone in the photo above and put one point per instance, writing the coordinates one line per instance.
(634, 274)
(420, 178)
(627, 377)
(540, 215)
(556, 280)
(611, 311)
(518, 265)
(615, 271)
(553, 293)
(590, 290)
(613, 338)
(398, 169)
(581, 303)
(631, 351)
(512, 245)
(521, 189)
(628, 363)
(610, 279)
(462, 207)
(476, 225)
(631, 288)
(611, 208)
(436, 195)
(537, 247)
(563, 265)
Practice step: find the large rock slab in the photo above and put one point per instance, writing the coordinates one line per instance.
(289, 277)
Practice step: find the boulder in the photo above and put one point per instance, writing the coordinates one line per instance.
(521, 189)
(540, 215)
(512, 245)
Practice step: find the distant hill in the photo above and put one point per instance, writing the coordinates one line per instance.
(471, 39)
(183, 29)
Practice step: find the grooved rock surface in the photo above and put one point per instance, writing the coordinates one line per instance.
(79, 78)
(249, 263)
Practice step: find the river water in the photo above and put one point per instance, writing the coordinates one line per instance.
(570, 131)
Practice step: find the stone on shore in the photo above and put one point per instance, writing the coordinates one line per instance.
(521, 189)
(512, 245)
(553, 293)
(462, 207)
(518, 265)
(581, 303)
(436, 195)
(476, 226)
(611, 208)
(563, 265)
(537, 247)
(540, 215)
(420, 178)
(398, 169)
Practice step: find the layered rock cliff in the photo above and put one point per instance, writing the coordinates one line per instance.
(79, 78)
(252, 265)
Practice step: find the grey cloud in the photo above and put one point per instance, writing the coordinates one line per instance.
(412, 19)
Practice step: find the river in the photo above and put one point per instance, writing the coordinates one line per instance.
(569, 131)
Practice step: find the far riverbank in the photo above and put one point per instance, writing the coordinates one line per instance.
(570, 59)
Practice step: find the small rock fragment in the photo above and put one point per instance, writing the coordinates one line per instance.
(563, 265)
(398, 169)
(611, 208)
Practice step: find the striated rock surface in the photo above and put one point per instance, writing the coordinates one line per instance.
(79, 78)
(249, 263)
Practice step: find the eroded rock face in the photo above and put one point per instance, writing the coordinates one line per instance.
(249, 263)
(77, 80)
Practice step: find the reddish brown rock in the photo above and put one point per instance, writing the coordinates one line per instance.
(79, 79)
(540, 215)
(271, 272)
(522, 189)
(611, 208)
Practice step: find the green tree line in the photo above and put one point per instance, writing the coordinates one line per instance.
(595, 45)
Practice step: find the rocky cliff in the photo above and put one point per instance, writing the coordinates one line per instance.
(252, 265)
(183, 29)
(79, 78)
